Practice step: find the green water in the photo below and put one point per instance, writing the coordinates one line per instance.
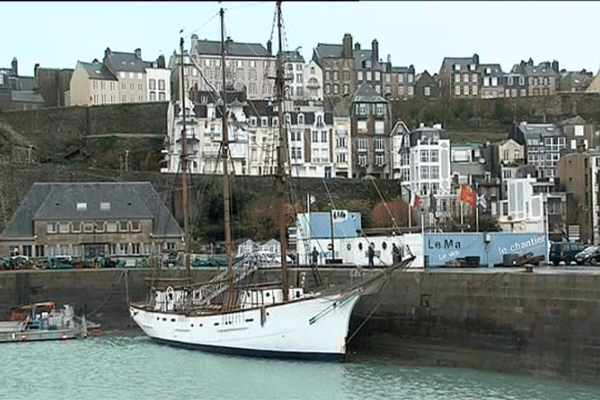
(130, 366)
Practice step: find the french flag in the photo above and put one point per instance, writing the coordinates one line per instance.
(413, 199)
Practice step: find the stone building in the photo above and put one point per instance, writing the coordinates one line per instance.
(122, 220)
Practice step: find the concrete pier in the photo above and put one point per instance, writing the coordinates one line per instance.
(544, 323)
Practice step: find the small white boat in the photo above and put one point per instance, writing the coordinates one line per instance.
(42, 321)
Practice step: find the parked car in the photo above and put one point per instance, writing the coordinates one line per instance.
(565, 252)
(590, 255)
(59, 262)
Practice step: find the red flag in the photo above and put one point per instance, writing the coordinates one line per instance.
(467, 195)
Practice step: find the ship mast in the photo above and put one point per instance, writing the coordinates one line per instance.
(281, 161)
(184, 180)
(225, 147)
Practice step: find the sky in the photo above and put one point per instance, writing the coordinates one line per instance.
(421, 33)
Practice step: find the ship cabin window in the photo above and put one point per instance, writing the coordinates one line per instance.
(360, 246)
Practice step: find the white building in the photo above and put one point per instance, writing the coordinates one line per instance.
(173, 146)
(158, 79)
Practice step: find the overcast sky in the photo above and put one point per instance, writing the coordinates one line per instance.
(422, 33)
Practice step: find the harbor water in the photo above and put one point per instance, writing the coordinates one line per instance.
(130, 366)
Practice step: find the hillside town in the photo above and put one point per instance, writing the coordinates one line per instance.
(536, 177)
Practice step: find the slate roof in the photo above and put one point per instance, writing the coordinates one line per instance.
(324, 50)
(293, 56)
(97, 71)
(426, 133)
(58, 201)
(320, 225)
(464, 63)
(26, 96)
(212, 47)
(542, 69)
(127, 62)
(366, 94)
(495, 70)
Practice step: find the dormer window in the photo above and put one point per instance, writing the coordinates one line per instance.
(275, 121)
(81, 206)
(457, 67)
(472, 67)
(264, 121)
(105, 206)
(252, 121)
(300, 119)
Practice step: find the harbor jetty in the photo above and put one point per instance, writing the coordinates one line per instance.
(541, 321)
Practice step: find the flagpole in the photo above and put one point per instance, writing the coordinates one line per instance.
(462, 229)
(477, 215)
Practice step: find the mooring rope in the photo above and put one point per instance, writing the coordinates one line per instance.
(109, 295)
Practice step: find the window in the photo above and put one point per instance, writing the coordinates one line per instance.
(362, 144)
(379, 159)
(425, 172)
(434, 172)
(457, 67)
(379, 144)
(362, 160)
(368, 75)
(411, 90)
(135, 248)
(315, 136)
(162, 96)
(456, 78)
(63, 227)
(152, 96)
(379, 127)
(111, 226)
(323, 136)
(123, 247)
(424, 155)
(123, 226)
(427, 91)
(433, 156)
(50, 227)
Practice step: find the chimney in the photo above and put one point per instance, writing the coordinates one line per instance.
(138, 53)
(476, 59)
(347, 45)
(160, 62)
(389, 59)
(15, 66)
(357, 46)
(107, 54)
(375, 50)
(194, 41)
(35, 69)
(270, 47)
(555, 66)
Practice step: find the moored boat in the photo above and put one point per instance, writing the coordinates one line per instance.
(42, 321)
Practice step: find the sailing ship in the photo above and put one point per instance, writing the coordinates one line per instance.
(267, 319)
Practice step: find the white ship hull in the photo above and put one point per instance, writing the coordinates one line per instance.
(310, 328)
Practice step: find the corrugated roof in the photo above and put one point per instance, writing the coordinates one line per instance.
(211, 47)
(58, 201)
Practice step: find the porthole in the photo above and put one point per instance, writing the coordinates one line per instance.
(267, 294)
(360, 246)
(349, 246)
(384, 245)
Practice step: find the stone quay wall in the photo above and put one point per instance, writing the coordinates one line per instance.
(544, 323)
